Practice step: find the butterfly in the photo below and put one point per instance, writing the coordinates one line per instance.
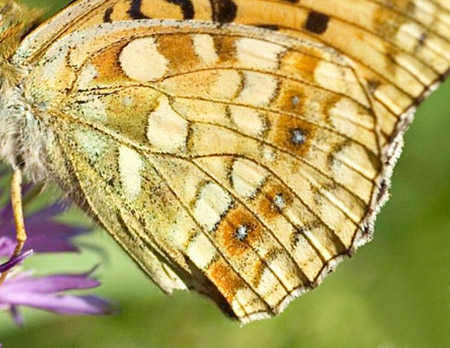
(238, 148)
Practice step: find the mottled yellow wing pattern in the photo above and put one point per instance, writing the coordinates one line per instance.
(235, 161)
(242, 168)
(401, 48)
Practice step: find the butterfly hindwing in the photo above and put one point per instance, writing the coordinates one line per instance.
(244, 168)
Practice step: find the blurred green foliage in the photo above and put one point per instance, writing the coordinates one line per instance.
(393, 294)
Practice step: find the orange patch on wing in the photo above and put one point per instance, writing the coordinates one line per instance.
(170, 47)
(227, 232)
(108, 66)
(292, 134)
(226, 280)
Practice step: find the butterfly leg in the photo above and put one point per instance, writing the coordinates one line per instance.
(16, 201)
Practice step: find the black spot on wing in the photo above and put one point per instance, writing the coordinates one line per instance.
(223, 11)
(186, 7)
(135, 10)
(317, 22)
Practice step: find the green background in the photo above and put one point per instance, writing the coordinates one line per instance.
(394, 293)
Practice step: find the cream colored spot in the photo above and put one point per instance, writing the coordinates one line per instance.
(182, 230)
(339, 79)
(141, 61)
(204, 48)
(212, 204)
(248, 120)
(259, 89)
(426, 11)
(167, 130)
(408, 35)
(130, 164)
(201, 251)
(258, 54)
(346, 111)
(227, 84)
(247, 177)
(86, 76)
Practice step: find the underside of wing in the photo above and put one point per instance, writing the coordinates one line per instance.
(400, 49)
(244, 168)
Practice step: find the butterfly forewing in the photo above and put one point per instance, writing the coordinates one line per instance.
(400, 48)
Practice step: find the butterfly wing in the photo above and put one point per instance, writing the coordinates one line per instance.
(240, 163)
(401, 49)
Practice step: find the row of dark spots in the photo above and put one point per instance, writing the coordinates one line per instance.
(135, 10)
(223, 11)
(186, 6)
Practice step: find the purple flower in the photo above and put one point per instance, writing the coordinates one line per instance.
(14, 261)
(45, 234)
(45, 293)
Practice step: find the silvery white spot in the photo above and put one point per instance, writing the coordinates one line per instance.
(279, 201)
(295, 100)
(241, 232)
(298, 137)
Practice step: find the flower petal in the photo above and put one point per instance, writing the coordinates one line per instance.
(15, 261)
(63, 304)
(47, 284)
(7, 246)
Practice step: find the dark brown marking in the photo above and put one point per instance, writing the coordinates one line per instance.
(186, 7)
(317, 22)
(372, 85)
(107, 15)
(135, 10)
(223, 11)
(420, 43)
(225, 48)
(268, 26)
